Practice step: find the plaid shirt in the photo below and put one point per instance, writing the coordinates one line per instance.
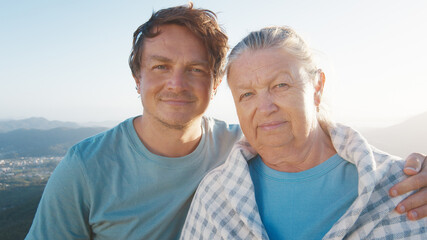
(224, 205)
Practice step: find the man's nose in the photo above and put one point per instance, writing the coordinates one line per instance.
(177, 81)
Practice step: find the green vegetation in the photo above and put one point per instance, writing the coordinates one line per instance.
(17, 208)
(24, 172)
(29, 151)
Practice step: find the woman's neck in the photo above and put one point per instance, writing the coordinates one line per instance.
(297, 158)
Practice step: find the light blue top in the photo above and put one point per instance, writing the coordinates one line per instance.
(303, 205)
(111, 187)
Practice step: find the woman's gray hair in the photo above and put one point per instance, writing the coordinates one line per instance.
(276, 37)
(286, 38)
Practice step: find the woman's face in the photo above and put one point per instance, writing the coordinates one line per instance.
(274, 99)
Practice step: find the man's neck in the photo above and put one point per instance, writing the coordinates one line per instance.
(165, 141)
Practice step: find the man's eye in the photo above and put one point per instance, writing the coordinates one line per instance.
(196, 70)
(160, 67)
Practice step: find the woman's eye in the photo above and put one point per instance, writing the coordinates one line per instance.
(246, 95)
(280, 85)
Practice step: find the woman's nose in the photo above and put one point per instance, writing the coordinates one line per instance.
(266, 104)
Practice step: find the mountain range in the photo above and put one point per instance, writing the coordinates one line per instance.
(35, 137)
(400, 139)
(34, 123)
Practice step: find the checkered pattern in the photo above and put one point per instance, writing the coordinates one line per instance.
(224, 205)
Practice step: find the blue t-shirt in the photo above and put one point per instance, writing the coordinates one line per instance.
(303, 205)
(111, 186)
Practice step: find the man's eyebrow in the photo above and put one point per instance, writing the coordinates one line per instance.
(168, 60)
(159, 58)
(199, 62)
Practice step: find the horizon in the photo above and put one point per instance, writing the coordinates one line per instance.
(70, 61)
(112, 122)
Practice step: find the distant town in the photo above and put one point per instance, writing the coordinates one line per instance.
(26, 171)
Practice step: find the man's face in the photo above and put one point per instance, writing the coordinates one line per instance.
(175, 82)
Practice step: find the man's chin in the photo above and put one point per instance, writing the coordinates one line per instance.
(176, 125)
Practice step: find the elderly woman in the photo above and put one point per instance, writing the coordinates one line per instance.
(297, 175)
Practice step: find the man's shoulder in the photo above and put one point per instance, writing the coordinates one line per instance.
(102, 142)
(221, 127)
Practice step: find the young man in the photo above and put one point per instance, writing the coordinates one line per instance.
(137, 180)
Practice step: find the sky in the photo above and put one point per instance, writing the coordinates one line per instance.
(67, 60)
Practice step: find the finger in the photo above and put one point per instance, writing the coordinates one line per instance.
(413, 163)
(417, 213)
(413, 202)
(409, 184)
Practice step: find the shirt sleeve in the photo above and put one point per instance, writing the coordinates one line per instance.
(63, 211)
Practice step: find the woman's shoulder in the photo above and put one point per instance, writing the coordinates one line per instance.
(212, 181)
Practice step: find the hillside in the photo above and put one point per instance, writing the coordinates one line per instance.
(17, 207)
(36, 142)
(33, 137)
(400, 139)
(33, 123)
(18, 204)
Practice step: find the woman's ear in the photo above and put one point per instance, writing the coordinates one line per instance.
(318, 87)
(215, 88)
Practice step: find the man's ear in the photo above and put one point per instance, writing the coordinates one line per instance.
(138, 83)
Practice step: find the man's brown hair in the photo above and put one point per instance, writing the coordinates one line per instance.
(201, 22)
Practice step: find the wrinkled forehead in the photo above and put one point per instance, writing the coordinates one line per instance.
(263, 64)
